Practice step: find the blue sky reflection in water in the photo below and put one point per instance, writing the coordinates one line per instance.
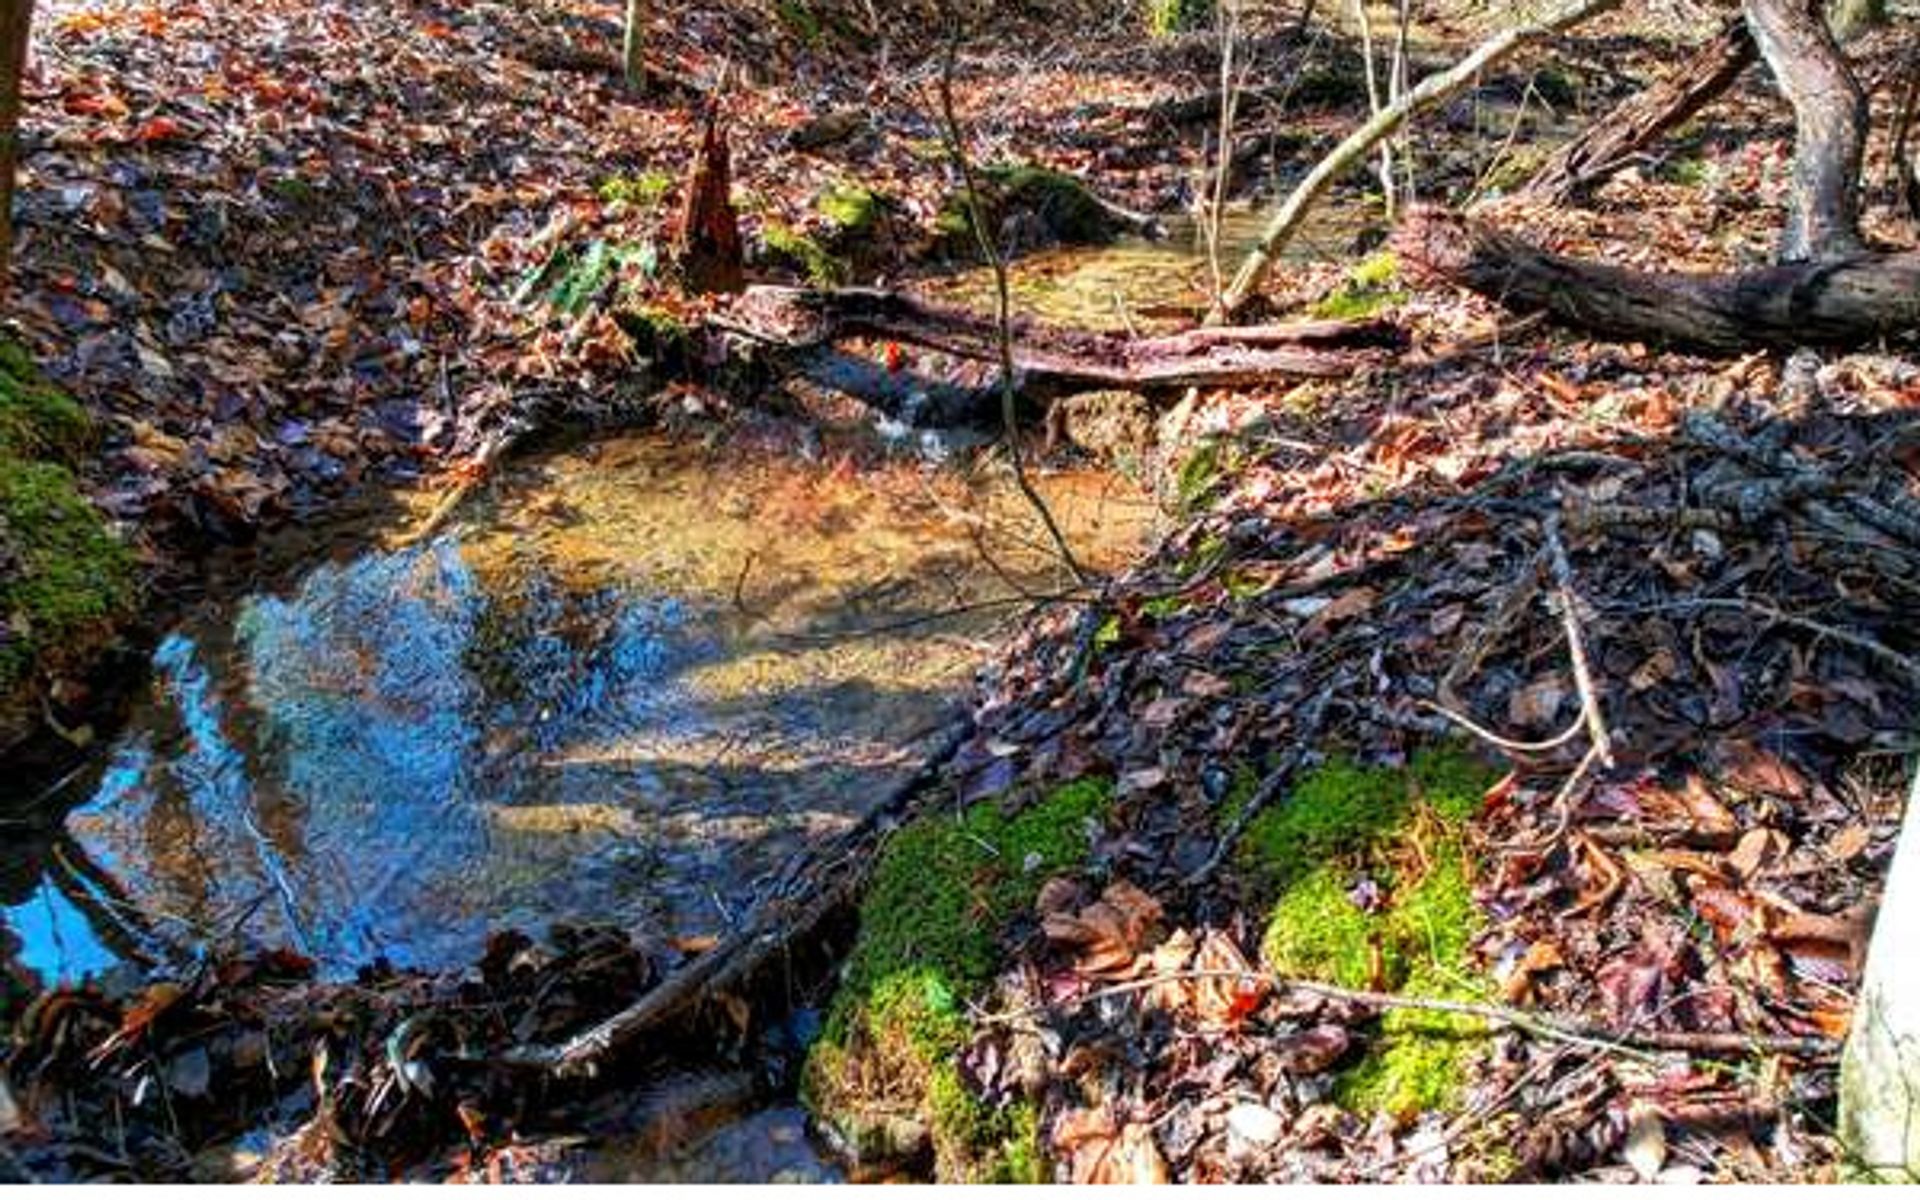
(631, 691)
(326, 784)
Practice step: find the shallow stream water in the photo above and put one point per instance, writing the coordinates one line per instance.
(629, 685)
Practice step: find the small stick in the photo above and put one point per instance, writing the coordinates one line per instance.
(1553, 743)
(1576, 647)
(1547, 1025)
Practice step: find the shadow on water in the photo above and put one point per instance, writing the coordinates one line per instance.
(630, 692)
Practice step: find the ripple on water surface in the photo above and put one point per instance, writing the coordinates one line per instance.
(630, 690)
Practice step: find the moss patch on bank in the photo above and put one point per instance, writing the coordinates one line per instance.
(1039, 205)
(65, 582)
(1369, 877)
(943, 893)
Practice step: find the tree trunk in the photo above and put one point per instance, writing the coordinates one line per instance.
(1607, 145)
(1830, 124)
(1424, 95)
(797, 317)
(16, 23)
(709, 250)
(1838, 302)
(633, 45)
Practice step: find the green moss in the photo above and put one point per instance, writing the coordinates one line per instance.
(849, 208)
(1402, 831)
(72, 584)
(1368, 288)
(803, 254)
(65, 582)
(941, 895)
(1164, 18)
(37, 420)
(1061, 204)
(1686, 171)
(1198, 474)
(644, 191)
(801, 21)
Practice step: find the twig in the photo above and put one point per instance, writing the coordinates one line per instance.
(476, 470)
(1576, 646)
(1553, 743)
(1003, 316)
(1593, 1034)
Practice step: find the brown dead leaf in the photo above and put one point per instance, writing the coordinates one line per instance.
(1315, 1050)
(1347, 605)
(1226, 1000)
(1097, 1152)
(1757, 848)
(1535, 705)
(1109, 934)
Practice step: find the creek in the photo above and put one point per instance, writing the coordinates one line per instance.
(633, 682)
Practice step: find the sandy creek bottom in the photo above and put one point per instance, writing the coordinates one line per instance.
(628, 685)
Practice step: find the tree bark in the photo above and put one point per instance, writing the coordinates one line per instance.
(633, 45)
(1836, 302)
(1830, 126)
(1607, 145)
(797, 317)
(16, 24)
(1424, 95)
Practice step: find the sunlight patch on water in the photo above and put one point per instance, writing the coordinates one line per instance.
(631, 692)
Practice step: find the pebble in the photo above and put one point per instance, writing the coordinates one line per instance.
(1255, 1124)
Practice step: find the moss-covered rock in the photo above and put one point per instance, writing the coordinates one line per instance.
(66, 584)
(1370, 880)
(1026, 207)
(943, 893)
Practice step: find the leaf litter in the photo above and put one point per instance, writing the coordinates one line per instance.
(321, 300)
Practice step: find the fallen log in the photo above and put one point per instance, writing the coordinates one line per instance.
(1841, 302)
(1218, 356)
(1610, 143)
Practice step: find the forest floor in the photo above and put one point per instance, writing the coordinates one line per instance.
(287, 254)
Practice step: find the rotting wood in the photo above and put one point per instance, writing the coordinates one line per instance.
(798, 317)
(815, 886)
(1610, 143)
(1843, 302)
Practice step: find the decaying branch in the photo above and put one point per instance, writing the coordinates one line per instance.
(799, 317)
(824, 882)
(1611, 142)
(1843, 302)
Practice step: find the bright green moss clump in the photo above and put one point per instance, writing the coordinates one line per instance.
(65, 583)
(1371, 884)
(942, 894)
(36, 419)
(1168, 17)
(850, 208)
(803, 254)
(1369, 287)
